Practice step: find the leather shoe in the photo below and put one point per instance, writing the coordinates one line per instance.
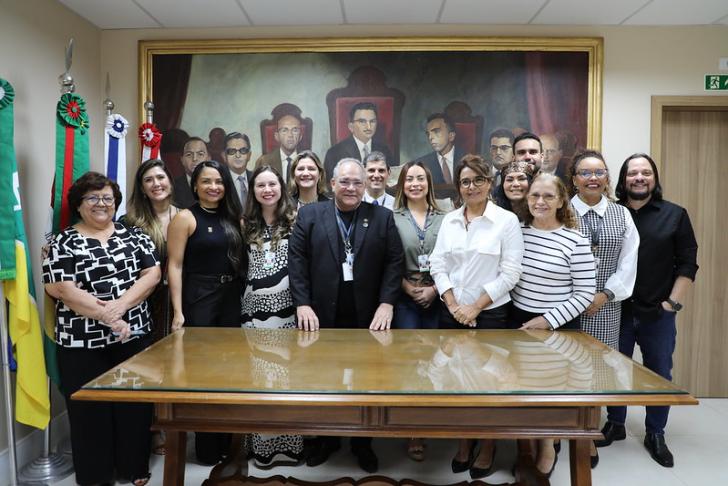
(320, 449)
(594, 459)
(655, 444)
(366, 458)
(611, 432)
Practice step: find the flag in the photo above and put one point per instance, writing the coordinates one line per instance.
(115, 155)
(150, 139)
(32, 404)
(72, 162)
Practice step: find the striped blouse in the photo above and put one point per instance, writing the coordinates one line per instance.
(559, 276)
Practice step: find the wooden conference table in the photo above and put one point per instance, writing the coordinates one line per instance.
(402, 383)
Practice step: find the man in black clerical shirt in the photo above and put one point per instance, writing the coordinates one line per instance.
(666, 268)
(345, 267)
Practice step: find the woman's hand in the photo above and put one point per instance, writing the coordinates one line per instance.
(600, 298)
(121, 329)
(111, 310)
(178, 321)
(466, 314)
(539, 322)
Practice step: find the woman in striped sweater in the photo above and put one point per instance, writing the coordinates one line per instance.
(559, 277)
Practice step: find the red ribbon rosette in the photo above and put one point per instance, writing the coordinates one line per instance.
(149, 134)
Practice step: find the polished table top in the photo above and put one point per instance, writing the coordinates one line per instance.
(412, 367)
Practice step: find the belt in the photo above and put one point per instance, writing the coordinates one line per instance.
(213, 278)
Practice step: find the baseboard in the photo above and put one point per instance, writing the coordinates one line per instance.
(30, 447)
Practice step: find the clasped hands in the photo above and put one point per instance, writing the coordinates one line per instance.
(111, 314)
(465, 314)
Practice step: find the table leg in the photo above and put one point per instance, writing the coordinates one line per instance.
(175, 458)
(579, 462)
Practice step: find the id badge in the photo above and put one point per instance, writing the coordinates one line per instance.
(348, 271)
(269, 260)
(423, 261)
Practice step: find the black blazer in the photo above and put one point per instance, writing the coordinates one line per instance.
(183, 193)
(431, 162)
(314, 260)
(347, 149)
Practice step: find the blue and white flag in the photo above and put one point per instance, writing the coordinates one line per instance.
(115, 153)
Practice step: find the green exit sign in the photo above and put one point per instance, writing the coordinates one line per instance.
(716, 82)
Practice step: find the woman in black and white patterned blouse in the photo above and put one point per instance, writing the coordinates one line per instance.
(101, 273)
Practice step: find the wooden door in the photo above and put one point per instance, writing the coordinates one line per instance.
(694, 174)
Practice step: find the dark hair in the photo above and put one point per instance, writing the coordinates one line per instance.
(306, 154)
(364, 105)
(195, 139)
(90, 181)
(139, 211)
(500, 195)
(400, 200)
(565, 214)
(501, 133)
(621, 190)
(527, 136)
(229, 209)
(236, 135)
(475, 163)
(254, 223)
(445, 118)
(586, 154)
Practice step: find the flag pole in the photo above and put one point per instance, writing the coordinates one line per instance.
(51, 467)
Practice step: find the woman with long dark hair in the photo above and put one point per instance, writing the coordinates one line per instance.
(206, 268)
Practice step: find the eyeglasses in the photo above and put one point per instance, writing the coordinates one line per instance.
(549, 198)
(478, 181)
(588, 174)
(500, 148)
(286, 130)
(349, 183)
(242, 151)
(94, 200)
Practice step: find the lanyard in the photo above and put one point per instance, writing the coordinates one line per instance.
(421, 233)
(595, 232)
(346, 234)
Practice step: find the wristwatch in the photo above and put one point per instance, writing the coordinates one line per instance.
(676, 306)
(609, 294)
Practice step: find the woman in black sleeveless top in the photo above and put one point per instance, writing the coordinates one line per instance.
(204, 246)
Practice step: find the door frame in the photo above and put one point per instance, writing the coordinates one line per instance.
(660, 104)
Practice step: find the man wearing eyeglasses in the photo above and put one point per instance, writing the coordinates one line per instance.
(362, 125)
(288, 134)
(237, 154)
(345, 267)
(194, 152)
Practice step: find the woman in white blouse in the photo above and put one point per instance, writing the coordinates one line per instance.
(475, 263)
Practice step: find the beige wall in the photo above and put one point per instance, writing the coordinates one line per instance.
(33, 36)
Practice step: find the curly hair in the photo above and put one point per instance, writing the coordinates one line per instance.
(585, 154)
(90, 181)
(565, 214)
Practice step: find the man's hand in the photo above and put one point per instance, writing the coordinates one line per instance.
(306, 318)
(306, 339)
(382, 318)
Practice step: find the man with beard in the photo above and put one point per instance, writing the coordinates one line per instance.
(666, 268)
(527, 147)
(288, 134)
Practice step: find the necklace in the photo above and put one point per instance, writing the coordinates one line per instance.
(208, 210)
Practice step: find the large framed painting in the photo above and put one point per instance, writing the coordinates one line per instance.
(208, 88)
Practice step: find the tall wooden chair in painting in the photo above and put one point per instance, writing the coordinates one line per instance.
(367, 84)
(268, 127)
(468, 127)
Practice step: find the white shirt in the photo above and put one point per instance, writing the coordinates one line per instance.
(621, 282)
(384, 200)
(360, 145)
(448, 157)
(484, 258)
(285, 166)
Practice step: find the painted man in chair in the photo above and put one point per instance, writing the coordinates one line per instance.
(288, 134)
(445, 157)
(363, 127)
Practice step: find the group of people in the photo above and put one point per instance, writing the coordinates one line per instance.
(276, 247)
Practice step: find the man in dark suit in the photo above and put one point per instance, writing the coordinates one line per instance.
(363, 127)
(288, 134)
(236, 155)
(194, 152)
(345, 267)
(445, 158)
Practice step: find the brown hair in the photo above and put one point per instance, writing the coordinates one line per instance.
(477, 164)
(140, 211)
(320, 185)
(400, 200)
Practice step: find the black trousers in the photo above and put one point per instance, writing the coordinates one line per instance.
(106, 437)
(496, 318)
(206, 302)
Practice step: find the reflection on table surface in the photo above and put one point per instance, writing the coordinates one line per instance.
(355, 361)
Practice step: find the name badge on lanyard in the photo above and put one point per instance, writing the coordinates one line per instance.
(269, 260)
(347, 266)
(423, 259)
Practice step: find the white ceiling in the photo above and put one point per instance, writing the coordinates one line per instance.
(133, 14)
